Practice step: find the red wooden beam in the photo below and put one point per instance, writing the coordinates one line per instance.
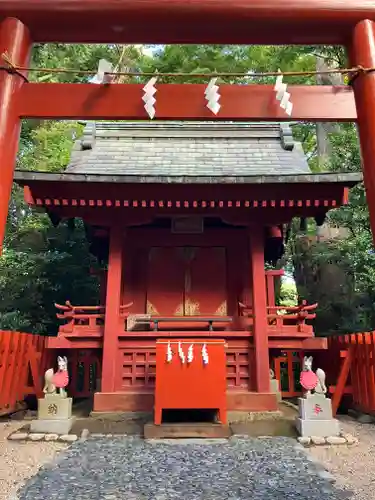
(183, 102)
(190, 21)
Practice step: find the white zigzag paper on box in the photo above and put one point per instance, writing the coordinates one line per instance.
(101, 77)
(169, 353)
(204, 354)
(148, 97)
(190, 354)
(181, 353)
(282, 95)
(212, 96)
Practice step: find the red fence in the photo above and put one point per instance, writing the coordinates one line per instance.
(22, 356)
(350, 365)
(23, 361)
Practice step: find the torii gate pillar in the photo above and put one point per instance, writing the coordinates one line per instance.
(362, 53)
(15, 41)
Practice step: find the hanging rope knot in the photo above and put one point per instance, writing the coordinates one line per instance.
(10, 67)
(357, 71)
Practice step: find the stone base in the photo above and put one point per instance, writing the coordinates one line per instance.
(187, 431)
(315, 407)
(274, 387)
(318, 428)
(53, 407)
(49, 426)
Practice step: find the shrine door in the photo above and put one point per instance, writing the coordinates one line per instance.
(187, 281)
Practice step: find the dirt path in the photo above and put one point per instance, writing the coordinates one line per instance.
(352, 467)
(20, 461)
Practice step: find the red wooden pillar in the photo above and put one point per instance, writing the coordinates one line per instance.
(362, 52)
(15, 41)
(112, 311)
(262, 376)
(270, 278)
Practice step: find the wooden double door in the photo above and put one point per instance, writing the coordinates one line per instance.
(187, 281)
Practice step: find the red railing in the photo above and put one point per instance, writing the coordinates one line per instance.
(85, 319)
(282, 317)
(22, 361)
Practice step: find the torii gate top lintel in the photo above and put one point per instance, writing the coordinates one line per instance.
(343, 22)
(190, 21)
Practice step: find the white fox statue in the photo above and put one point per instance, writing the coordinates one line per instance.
(312, 381)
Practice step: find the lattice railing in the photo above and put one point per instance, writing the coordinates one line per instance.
(85, 318)
(281, 316)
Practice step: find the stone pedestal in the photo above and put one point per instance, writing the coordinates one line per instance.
(54, 415)
(274, 387)
(315, 417)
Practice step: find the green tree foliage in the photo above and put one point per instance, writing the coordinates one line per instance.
(42, 264)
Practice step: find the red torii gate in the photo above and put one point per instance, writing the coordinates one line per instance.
(23, 22)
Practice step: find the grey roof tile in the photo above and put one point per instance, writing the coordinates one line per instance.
(187, 149)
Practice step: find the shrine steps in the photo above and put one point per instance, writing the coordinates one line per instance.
(193, 430)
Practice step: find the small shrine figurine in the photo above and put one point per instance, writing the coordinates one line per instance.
(58, 380)
(311, 381)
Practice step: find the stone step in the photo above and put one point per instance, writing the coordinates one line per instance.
(187, 430)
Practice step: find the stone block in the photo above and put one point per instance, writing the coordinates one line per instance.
(335, 440)
(305, 441)
(36, 437)
(315, 408)
(69, 438)
(318, 440)
(47, 426)
(319, 428)
(54, 407)
(51, 437)
(85, 434)
(18, 436)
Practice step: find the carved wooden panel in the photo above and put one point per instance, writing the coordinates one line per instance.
(238, 375)
(138, 368)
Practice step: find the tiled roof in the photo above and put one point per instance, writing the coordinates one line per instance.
(187, 149)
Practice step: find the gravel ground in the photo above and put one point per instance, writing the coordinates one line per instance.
(122, 468)
(352, 467)
(132, 469)
(19, 462)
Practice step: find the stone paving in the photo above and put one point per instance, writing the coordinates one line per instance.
(129, 468)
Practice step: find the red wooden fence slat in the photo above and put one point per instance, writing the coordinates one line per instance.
(19, 353)
(341, 382)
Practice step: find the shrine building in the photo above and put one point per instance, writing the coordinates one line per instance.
(185, 217)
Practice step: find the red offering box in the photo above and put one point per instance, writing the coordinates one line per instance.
(194, 385)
